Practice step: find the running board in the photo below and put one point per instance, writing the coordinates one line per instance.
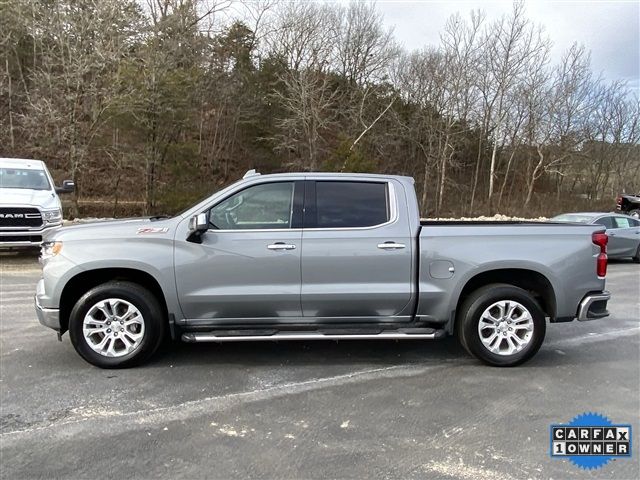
(429, 334)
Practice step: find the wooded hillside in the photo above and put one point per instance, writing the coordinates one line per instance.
(149, 105)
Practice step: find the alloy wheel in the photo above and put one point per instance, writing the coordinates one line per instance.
(113, 327)
(505, 327)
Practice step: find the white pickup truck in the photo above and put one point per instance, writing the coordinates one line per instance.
(29, 205)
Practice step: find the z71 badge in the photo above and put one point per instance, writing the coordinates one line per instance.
(149, 230)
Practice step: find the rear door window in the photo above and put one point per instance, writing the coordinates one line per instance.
(351, 204)
(606, 222)
(622, 222)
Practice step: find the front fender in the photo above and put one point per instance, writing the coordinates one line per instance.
(153, 256)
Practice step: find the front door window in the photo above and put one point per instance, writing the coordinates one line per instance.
(262, 207)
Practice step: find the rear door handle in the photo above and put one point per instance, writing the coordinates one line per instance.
(281, 246)
(391, 245)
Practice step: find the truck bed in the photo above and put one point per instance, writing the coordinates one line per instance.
(452, 253)
(425, 223)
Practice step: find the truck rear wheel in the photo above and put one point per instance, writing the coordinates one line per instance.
(116, 325)
(501, 325)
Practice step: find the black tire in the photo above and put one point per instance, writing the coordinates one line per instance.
(636, 259)
(474, 306)
(149, 307)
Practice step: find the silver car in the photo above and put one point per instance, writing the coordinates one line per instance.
(623, 231)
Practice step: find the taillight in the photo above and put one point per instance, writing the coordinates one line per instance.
(618, 200)
(600, 239)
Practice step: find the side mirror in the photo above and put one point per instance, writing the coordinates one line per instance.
(198, 224)
(68, 186)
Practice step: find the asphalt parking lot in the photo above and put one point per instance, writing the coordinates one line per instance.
(309, 409)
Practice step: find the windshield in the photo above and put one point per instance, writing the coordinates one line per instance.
(24, 178)
(573, 217)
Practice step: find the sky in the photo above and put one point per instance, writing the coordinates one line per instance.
(609, 29)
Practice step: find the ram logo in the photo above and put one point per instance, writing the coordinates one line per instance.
(20, 215)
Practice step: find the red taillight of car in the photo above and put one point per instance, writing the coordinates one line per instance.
(600, 239)
(618, 200)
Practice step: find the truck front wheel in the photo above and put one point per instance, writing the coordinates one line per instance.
(116, 325)
(501, 325)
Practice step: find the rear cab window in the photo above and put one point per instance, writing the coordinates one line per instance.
(350, 204)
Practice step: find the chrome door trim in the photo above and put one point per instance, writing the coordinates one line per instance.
(274, 322)
(393, 206)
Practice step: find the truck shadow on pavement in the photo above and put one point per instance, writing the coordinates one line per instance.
(381, 353)
(301, 353)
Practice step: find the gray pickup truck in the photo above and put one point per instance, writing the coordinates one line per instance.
(315, 256)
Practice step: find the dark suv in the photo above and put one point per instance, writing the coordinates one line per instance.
(629, 204)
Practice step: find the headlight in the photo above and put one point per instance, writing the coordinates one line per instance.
(52, 216)
(50, 249)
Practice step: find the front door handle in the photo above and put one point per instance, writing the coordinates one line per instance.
(391, 245)
(281, 246)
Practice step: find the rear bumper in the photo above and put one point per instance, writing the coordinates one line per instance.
(594, 306)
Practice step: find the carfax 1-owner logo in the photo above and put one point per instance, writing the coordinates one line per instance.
(590, 441)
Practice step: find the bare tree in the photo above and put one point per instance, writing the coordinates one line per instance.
(364, 52)
(158, 101)
(513, 42)
(74, 89)
(364, 48)
(303, 42)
